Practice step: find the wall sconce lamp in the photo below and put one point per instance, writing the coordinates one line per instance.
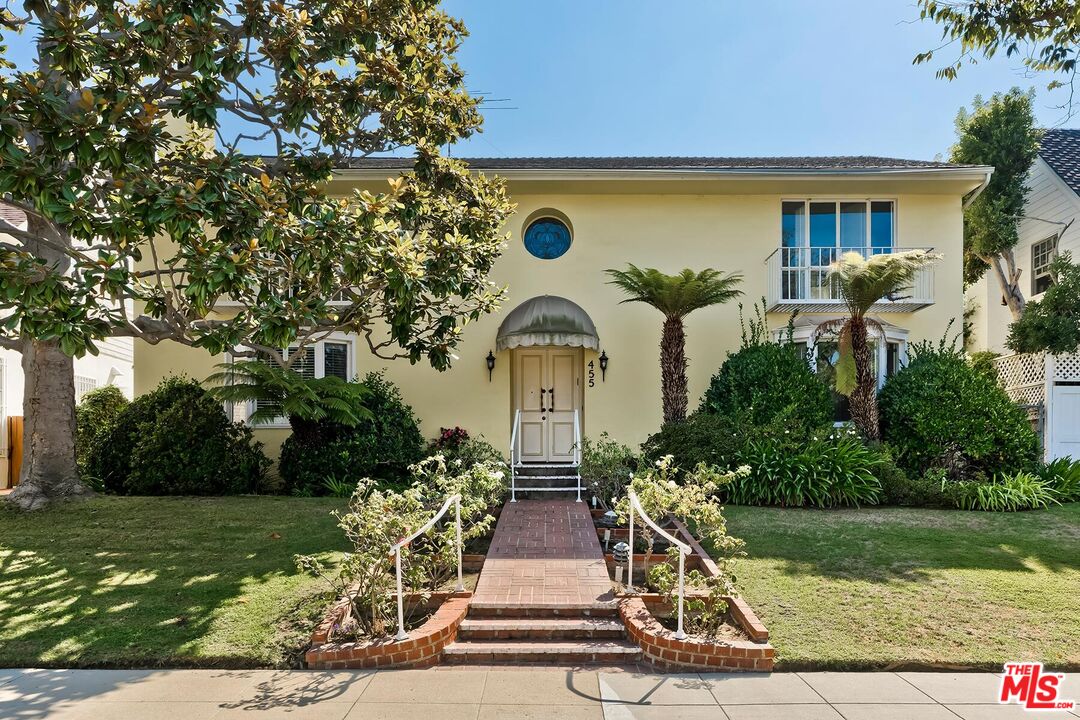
(490, 364)
(603, 365)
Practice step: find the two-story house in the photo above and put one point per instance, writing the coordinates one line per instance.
(574, 360)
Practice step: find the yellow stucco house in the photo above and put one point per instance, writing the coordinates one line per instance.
(567, 353)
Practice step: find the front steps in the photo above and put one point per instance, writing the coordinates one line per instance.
(547, 481)
(588, 635)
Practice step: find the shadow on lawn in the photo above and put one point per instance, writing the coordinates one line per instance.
(123, 582)
(881, 544)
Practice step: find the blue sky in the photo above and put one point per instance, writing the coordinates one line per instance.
(718, 77)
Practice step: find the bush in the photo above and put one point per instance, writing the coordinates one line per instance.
(983, 362)
(830, 470)
(765, 382)
(701, 438)
(606, 465)
(459, 448)
(941, 412)
(177, 440)
(899, 488)
(94, 418)
(1063, 477)
(1007, 493)
(380, 447)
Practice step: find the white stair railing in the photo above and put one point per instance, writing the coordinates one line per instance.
(454, 500)
(513, 455)
(684, 550)
(577, 451)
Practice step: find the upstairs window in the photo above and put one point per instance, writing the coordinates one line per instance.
(547, 238)
(1042, 254)
(831, 225)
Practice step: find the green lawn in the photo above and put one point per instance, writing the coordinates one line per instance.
(183, 581)
(898, 587)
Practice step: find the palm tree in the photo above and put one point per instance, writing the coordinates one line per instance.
(676, 296)
(308, 403)
(862, 282)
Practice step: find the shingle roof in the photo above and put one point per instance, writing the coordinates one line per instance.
(859, 162)
(1061, 150)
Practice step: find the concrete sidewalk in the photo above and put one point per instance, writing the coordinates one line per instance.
(487, 693)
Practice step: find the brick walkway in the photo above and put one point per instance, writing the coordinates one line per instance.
(544, 554)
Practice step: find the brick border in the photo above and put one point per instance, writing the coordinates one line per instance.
(422, 649)
(664, 652)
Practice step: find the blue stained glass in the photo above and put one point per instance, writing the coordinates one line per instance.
(547, 239)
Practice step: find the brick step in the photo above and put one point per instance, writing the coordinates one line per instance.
(505, 610)
(541, 628)
(577, 652)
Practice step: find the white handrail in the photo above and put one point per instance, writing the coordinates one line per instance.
(513, 452)
(456, 500)
(684, 550)
(577, 450)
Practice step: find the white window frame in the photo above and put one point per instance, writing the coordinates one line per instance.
(87, 382)
(836, 200)
(1048, 248)
(805, 334)
(320, 371)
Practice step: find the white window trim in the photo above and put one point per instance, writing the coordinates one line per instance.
(1053, 242)
(320, 369)
(892, 334)
(806, 200)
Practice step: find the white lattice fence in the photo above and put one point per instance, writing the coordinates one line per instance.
(1023, 377)
(1067, 368)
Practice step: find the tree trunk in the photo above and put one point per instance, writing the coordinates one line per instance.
(673, 369)
(863, 399)
(1008, 281)
(49, 472)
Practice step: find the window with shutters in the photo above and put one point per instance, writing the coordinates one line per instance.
(326, 358)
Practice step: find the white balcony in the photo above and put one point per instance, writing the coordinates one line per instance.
(798, 279)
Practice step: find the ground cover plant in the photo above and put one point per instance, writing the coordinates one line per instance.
(148, 582)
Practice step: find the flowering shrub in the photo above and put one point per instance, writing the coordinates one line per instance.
(606, 465)
(693, 501)
(450, 438)
(458, 447)
(378, 518)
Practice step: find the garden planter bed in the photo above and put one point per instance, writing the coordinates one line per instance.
(422, 648)
(641, 612)
(664, 652)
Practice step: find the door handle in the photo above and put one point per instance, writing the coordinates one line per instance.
(551, 399)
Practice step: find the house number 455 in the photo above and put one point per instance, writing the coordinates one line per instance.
(592, 373)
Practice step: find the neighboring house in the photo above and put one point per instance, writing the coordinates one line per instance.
(1050, 225)
(112, 366)
(778, 221)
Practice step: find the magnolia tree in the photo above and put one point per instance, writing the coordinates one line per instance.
(128, 140)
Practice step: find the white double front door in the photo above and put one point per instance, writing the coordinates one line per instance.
(547, 391)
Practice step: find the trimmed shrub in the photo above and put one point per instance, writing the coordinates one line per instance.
(177, 440)
(460, 449)
(380, 447)
(826, 471)
(701, 438)
(766, 381)
(941, 412)
(94, 417)
(899, 488)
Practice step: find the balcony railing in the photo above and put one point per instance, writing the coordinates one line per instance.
(798, 279)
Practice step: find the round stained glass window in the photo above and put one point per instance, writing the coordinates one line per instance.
(547, 238)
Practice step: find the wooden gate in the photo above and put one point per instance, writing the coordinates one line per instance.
(15, 447)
